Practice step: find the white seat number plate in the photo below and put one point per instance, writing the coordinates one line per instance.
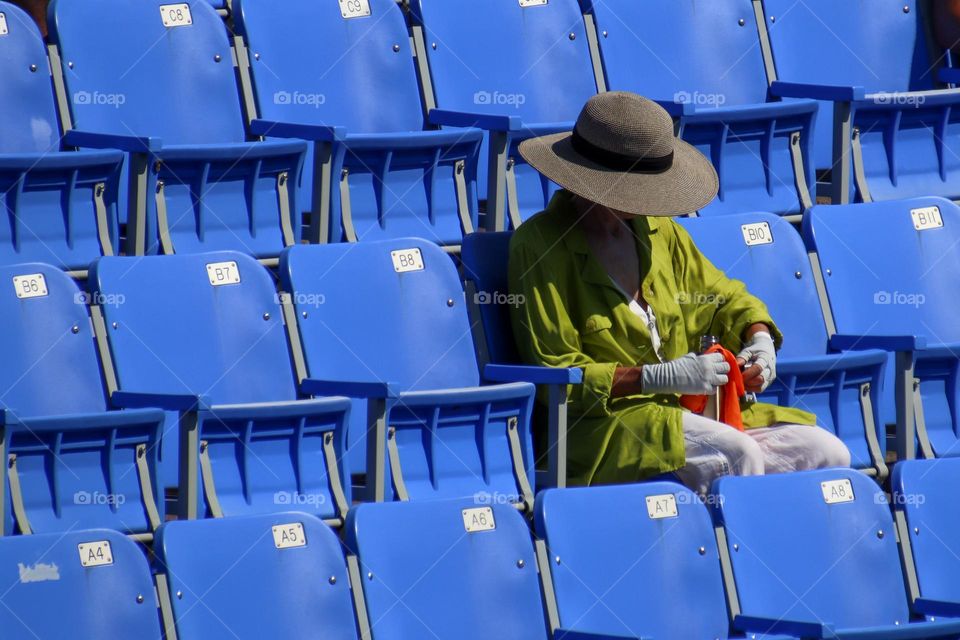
(3, 24)
(837, 491)
(756, 233)
(407, 260)
(532, 3)
(479, 519)
(290, 535)
(664, 506)
(926, 218)
(354, 8)
(221, 273)
(176, 15)
(95, 554)
(33, 285)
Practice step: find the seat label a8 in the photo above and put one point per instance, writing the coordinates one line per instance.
(95, 554)
(926, 218)
(756, 233)
(407, 260)
(221, 273)
(176, 15)
(289, 535)
(663, 506)
(835, 491)
(479, 519)
(33, 285)
(354, 8)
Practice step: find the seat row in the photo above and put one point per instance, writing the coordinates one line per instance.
(800, 555)
(328, 110)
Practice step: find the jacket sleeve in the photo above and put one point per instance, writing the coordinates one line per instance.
(720, 306)
(545, 334)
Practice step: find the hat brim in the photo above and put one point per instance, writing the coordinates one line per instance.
(690, 184)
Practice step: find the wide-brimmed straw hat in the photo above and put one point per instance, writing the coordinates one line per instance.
(623, 155)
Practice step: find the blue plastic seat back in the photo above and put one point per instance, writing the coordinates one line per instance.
(50, 361)
(925, 491)
(26, 100)
(270, 576)
(638, 574)
(50, 593)
(886, 277)
(311, 65)
(879, 46)
(433, 578)
(802, 549)
(696, 51)
(172, 331)
(767, 254)
(129, 74)
(485, 257)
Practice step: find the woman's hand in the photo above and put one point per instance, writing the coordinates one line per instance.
(758, 358)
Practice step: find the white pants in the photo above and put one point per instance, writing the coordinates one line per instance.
(715, 449)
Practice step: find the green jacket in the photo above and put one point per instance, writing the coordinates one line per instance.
(572, 315)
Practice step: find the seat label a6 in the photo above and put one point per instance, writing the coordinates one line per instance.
(479, 519)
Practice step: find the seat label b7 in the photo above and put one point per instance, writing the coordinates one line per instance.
(221, 273)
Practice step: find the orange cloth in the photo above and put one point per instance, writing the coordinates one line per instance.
(729, 399)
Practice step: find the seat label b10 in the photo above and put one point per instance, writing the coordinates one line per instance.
(837, 491)
(756, 233)
(33, 285)
(926, 218)
(479, 519)
(663, 506)
(289, 535)
(354, 8)
(176, 15)
(3, 24)
(95, 554)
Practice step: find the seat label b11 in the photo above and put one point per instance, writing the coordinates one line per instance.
(663, 506)
(221, 273)
(95, 554)
(926, 218)
(33, 285)
(837, 491)
(756, 233)
(354, 8)
(3, 24)
(479, 519)
(407, 260)
(176, 15)
(289, 535)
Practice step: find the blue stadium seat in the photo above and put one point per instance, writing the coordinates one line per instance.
(814, 554)
(880, 111)
(59, 208)
(78, 584)
(515, 69)
(842, 389)
(391, 315)
(313, 65)
(625, 561)
(701, 60)
(72, 464)
(202, 335)
(430, 576)
(157, 81)
(928, 519)
(484, 260)
(891, 272)
(266, 576)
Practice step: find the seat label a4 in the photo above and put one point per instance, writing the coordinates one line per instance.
(756, 233)
(664, 506)
(835, 491)
(95, 554)
(926, 218)
(289, 535)
(176, 15)
(33, 285)
(479, 519)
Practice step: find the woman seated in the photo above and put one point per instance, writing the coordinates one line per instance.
(610, 284)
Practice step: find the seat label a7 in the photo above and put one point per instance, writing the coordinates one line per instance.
(926, 218)
(664, 506)
(176, 15)
(354, 8)
(221, 273)
(835, 491)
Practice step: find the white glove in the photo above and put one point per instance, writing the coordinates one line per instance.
(691, 374)
(760, 350)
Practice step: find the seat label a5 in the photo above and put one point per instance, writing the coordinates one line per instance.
(176, 15)
(95, 554)
(756, 233)
(354, 8)
(33, 285)
(479, 519)
(664, 506)
(835, 491)
(926, 218)
(289, 535)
